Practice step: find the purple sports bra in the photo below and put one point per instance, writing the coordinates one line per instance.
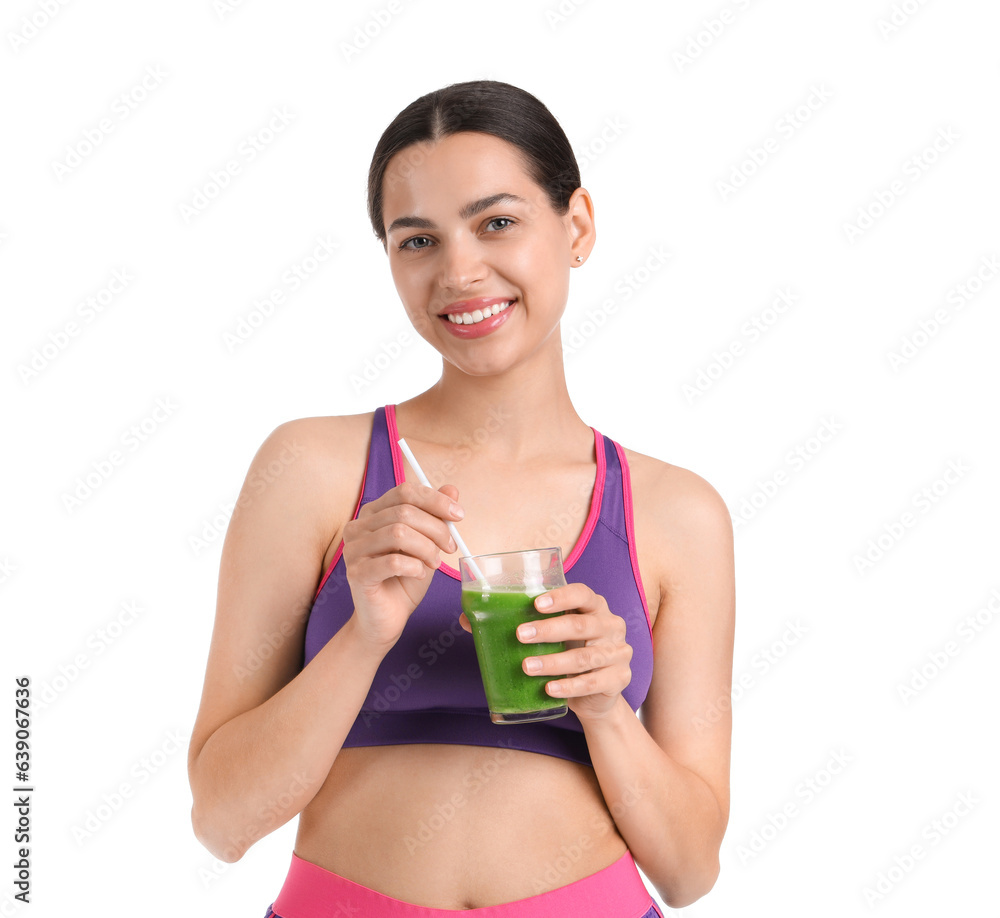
(428, 688)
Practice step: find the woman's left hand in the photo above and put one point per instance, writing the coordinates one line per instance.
(598, 655)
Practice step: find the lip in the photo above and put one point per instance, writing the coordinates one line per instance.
(479, 329)
(481, 302)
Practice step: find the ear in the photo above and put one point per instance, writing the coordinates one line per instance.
(580, 225)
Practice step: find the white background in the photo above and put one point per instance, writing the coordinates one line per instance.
(656, 136)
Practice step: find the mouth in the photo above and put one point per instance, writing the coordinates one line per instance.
(478, 322)
(477, 315)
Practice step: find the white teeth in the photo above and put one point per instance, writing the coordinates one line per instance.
(476, 316)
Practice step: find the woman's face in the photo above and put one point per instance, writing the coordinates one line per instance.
(468, 231)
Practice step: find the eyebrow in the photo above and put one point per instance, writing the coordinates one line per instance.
(466, 213)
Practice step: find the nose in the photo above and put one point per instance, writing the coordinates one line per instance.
(462, 264)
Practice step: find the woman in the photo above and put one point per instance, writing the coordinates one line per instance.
(342, 684)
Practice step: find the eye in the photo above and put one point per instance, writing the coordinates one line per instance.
(406, 243)
(509, 221)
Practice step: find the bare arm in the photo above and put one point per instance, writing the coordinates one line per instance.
(267, 734)
(665, 778)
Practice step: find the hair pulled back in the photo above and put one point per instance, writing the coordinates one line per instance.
(488, 107)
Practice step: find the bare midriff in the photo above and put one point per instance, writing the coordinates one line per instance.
(451, 826)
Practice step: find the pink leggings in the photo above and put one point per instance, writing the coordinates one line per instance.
(617, 891)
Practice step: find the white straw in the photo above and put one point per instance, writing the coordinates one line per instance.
(451, 526)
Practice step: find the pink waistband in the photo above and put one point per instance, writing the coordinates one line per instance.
(617, 891)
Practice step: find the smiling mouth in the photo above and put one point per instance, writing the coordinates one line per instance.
(477, 315)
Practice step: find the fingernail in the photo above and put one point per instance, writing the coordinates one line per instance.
(553, 688)
(451, 544)
(457, 512)
(532, 665)
(526, 632)
(543, 602)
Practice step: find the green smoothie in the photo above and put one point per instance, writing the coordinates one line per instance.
(494, 618)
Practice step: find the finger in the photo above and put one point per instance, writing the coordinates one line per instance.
(595, 656)
(608, 681)
(383, 567)
(415, 518)
(464, 622)
(395, 538)
(436, 503)
(574, 626)
(573, 596)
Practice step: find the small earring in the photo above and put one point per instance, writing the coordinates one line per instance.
(579, 258)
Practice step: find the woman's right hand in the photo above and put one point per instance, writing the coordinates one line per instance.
(391, 551)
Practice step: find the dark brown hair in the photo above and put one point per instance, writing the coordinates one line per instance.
(489, 107)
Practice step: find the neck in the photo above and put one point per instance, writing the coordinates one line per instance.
(511, 416)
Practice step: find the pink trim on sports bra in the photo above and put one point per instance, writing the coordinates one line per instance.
(595, 500)
(595, 503)
(630, 532)
(397, 453)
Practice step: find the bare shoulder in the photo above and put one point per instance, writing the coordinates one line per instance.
(322, 460)
(678, 516)
(323, 448)
(298, 492)
(322, 441)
